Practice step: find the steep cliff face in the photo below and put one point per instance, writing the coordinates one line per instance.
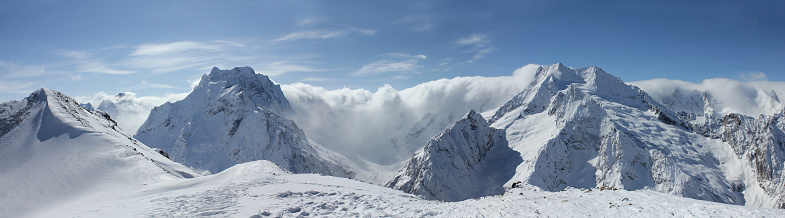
(760, 145)
(235, 116)
(52, 149)
(468, 160)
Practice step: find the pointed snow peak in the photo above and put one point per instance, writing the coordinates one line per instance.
(774, 97)
(244, 84)
(237, 75)
(559, 66)
(472, 114)
(474, 118)
(123, 94)
(38, 95)
(468, 160)
(46, 95)
(559, 72)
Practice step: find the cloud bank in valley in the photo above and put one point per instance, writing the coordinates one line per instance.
(359, 122)
(128, 110)
(751, 98)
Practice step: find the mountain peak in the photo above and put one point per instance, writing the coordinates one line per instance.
(68, 151)
(235, 116)
(472, 115)
(242, 72)
(774, 97)
(244, 84)
(468, 160)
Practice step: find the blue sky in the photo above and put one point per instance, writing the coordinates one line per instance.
(159, 47)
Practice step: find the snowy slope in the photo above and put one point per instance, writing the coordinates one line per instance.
(586, 128)
(262, 189)
(468, 160)
(52, 151)
(235, 116)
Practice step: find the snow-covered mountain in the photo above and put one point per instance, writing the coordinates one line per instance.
(235, 116)
(52, 151)
(586, 128)
(469, 160)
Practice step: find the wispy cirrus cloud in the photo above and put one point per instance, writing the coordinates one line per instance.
(70, 54)
(314, 79)
(753, 76)
(14, 87)
(98, 66)
(84, 63)
(144, 84)
(420, 23)
(392, 63)
(170, 57)
(311, 21)
(283, 67)
(479, 44)
(15, 70)
(172, 48)
(324, 34)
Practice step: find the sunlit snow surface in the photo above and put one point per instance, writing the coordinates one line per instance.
(260, 188)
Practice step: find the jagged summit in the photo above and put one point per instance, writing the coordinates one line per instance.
(549, 80)
(243, 83)
(468, 160)
(774, 97)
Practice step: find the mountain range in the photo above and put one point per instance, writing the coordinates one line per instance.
(567, 129)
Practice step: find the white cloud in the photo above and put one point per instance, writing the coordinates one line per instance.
(115, 47)
(15, 70)
(128, 110)
(314, 79)
(351, 121)
(282, 67)
(75, 77)
(420, 23)
(172, 48)
(144, 85)
(82, 62)
(479, 45)
(324, 34)
(311, 21)
(170, 57)
(15, 87)
(444, 65)
(730, 96)
(472, 39)
(70, 54)
(393, 62)
(401, 77)
(753, 76)
(98, 66)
